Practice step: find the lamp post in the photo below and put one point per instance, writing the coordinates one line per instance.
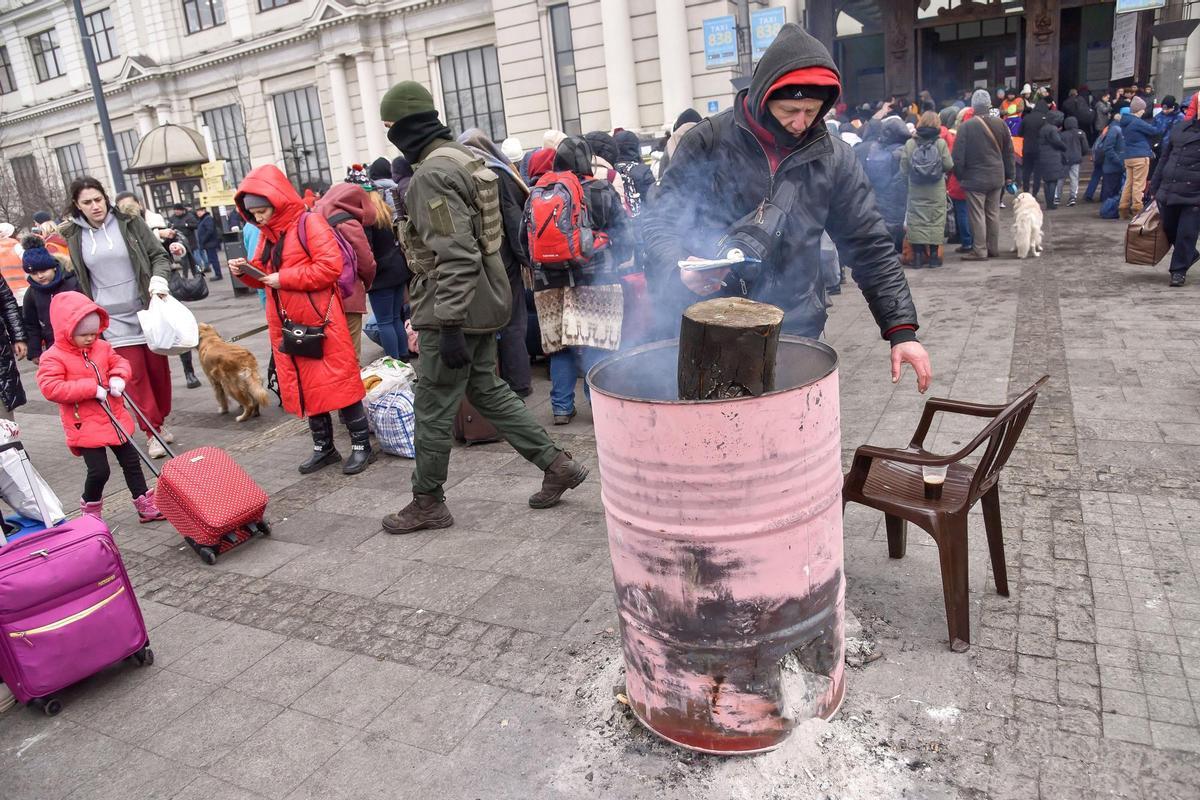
(110, 143)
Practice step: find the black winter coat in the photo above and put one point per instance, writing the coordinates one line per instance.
(720, 174)
(185, 225)
(1052, 150)
(1076, 141)
(1176, 182)
(206, 233)
(391, 267)
(35, 313)
(1077, 108)
(631, 166)
(12, 393)
(1031, 127)
(512, 212)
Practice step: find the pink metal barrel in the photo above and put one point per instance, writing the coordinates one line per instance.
(725, 529)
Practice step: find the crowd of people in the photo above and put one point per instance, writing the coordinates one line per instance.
(940, 179)
(474, 256)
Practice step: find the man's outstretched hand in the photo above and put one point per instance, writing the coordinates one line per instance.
(914, 354)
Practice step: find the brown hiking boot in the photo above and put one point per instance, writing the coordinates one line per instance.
(565, 473)
(423, 513)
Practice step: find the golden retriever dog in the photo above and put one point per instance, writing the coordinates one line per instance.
(233, 372)
(1027, 225)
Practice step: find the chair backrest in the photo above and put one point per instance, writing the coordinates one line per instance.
(1002, 434)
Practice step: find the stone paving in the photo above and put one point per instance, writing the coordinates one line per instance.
(333, 660)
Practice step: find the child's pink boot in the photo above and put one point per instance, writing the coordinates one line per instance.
(147, 510)
(91, 509)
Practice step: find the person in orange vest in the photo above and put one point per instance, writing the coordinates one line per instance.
(10, 260)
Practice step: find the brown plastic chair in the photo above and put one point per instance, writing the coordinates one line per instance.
(891, 481)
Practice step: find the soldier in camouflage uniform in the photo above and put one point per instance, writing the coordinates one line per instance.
(460, 298)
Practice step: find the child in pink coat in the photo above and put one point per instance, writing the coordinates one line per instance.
(79, 372)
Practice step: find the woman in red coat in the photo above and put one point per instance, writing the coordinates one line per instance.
(301, 283)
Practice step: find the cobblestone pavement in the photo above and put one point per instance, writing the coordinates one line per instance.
(333, 660)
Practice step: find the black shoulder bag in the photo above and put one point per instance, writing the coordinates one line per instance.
(306, 341)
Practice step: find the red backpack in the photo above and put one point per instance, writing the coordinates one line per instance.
(558, 224)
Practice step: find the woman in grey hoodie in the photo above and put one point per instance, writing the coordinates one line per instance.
(119, 263)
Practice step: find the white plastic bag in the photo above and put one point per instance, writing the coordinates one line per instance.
(392, 374)
(170, 329)
(23, 488)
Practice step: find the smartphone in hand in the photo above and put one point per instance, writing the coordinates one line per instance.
(253, 271)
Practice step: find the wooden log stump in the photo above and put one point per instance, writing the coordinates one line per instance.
(727, 349)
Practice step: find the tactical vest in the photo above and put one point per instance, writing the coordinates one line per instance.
(487, 223)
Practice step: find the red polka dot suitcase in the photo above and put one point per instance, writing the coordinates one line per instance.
(210, 499)
(213, 503)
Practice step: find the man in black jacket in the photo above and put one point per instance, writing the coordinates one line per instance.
(1031, 130)
(1175, 188)
(770, 156)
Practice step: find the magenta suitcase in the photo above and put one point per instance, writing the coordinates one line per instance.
(67, 611)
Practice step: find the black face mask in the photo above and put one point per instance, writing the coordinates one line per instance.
(415, 132)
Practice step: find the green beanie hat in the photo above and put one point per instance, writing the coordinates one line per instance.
(404, 99)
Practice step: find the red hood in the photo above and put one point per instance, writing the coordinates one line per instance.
(349, 198)
(66, 309)
(270, 182)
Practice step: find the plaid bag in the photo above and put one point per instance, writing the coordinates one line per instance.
(393, 421)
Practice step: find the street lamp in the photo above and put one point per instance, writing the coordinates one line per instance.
(110, 143)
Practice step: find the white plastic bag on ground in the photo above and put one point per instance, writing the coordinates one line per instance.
(169, 327)
(384, 375)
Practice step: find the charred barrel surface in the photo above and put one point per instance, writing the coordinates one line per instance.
(725, 529)
(727, 349)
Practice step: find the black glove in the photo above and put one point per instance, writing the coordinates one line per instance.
(453, 347)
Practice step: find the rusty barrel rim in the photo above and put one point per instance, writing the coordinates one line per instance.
(841, 698)
(622, 355)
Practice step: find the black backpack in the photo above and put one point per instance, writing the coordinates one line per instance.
(633, 197)
(926, 163)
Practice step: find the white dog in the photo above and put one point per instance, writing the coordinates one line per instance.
(1027, 225)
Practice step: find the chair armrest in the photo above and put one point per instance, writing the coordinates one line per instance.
(935, 404)
(906, 456)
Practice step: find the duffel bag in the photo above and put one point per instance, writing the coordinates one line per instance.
(393, 420)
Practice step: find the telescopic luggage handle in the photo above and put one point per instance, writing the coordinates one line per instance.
(153, 430)
(149, 462)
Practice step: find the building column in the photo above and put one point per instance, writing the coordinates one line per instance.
(1172, 33)
(899, 49)
(144, 118)
(821, 19)
(674, 59)
(618, 64)
(1042, 28)
(368, 93)
(162, 113)
(343, 122)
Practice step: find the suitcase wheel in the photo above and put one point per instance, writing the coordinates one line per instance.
(144, 657)
(50, 706)
(207, 554)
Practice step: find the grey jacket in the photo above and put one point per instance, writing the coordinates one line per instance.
(145, 251)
